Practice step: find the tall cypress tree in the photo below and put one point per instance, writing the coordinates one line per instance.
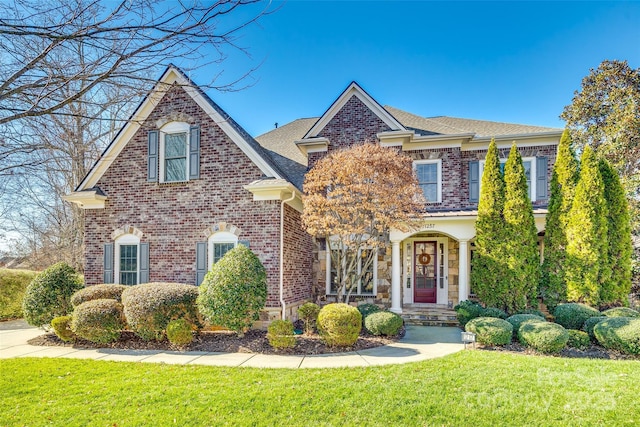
(521, 241)
(620, 249)
(563, 181)
(488, 273)
(586, 266)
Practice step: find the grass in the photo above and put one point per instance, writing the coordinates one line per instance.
(12, 286)
(468, 388)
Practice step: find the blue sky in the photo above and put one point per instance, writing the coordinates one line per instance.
(505, 61)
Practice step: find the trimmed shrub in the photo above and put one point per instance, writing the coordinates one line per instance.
(578, 339)
(573, 315)
(49, 294)
(62, 327)
(234, 291)
(367, 309)
(490, 330)
(532, 311)
(383, 323)
(280, 334)
(308, 313)
(518, 319)
(150, 307)
(100, 321)
(180, 332)
(494, 312)
(619, 333)
(545, 337)
(467, 310)
(339, 324)
(621, 312)
(590, 323)
(13, 285)
(105, 291)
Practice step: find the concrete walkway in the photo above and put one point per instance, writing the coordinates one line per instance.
(419, 343)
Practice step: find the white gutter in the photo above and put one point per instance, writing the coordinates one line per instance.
(282, 301)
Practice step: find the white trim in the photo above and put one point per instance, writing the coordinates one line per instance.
(219, 237)
(172, 128)
(353, 90)
(125, 239)
(172, 75)
(86, 199)
(272, 189)
(439, 175)
(532, 175)
(353, 294)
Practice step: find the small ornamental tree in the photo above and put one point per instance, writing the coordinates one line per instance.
(352, 198)
(587, 266)
(619, 249)
(521, 243)
(234, 291)
(563, 182)
(489, 276)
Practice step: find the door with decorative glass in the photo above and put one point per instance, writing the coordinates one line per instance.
(425, 258)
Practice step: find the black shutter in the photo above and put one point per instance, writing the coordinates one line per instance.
(474, 181)
(152, 156)
(144, 263)
(194, 153)
(201, 262)
(541, 178)
(108, 263)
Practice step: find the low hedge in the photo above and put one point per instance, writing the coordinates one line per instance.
(621, 312)
(367, 309)
(180, 332)
(467, 310)
(100, 321)
(518, 319)
(578, 339)
(62, 327)
(383, 323)
(573, 315)
(104, 291)
(280, 334)
(490, 330)
(590, 323)
(308, 313)
(13, 285)
(339, 324)
(494, 312)
(619, 333)
(545, 337)
(532, 311)
(150, 307)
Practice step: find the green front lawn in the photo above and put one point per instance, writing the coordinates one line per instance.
(468, 388)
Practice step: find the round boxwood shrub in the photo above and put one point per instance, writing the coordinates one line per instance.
(367, 309)
(62, 327)
(280, 334)
(49, 294)
(578, 339)
(619, 333)
(573, 315)
(234, 291)
(467, 310)
(308, 313)
(621, 312)
(494, 312)
(545, 337)
(590, 323)
(180, 332)
(532, 311)
(491, 330)
(518, 319)
(150, 307)
(104, 291)
(383, 323)
(339, 324)
(100, 321)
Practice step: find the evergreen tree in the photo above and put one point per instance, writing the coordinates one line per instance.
(586, 266)
(563, 181)
(520, 243)
(488, 273)
(619, 250)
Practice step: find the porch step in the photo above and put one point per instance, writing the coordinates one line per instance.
(429, 316)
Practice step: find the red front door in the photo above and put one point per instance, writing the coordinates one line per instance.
(424, 272)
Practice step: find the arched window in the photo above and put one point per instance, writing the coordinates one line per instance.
(127, 260)
(219, 244)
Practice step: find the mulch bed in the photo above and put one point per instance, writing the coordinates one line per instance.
(592, 352)
(254, 341)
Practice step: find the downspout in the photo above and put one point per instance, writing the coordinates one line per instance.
(282, 301)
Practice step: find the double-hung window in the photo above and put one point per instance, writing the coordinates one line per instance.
(366, 271)
(127, 260)
(174, 152)
(529, 164)
(429, 173)
(219, 244)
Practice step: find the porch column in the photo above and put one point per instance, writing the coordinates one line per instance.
(396, 298)
(463, 271)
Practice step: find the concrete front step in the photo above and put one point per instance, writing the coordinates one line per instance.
(430, 317)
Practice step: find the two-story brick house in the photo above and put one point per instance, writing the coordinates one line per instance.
(182, 183)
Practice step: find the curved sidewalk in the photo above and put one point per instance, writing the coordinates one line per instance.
(419, 343)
